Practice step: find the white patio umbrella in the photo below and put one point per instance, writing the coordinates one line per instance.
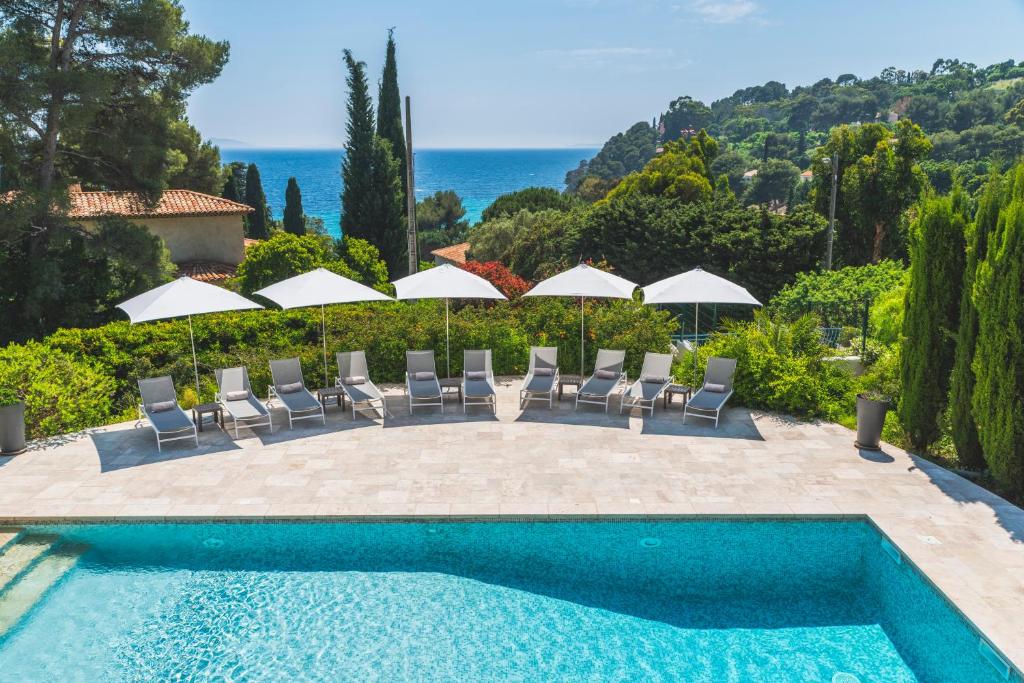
(445, 282)
(584, 281)
(321, 288)
(184, 297)
(697, 287)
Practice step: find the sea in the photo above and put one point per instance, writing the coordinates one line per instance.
(479, 176)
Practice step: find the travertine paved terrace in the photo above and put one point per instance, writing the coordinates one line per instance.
(541, 462)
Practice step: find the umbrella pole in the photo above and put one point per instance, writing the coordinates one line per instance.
(581, 339)
(447, 343)
(696, 321)
(195, 363)
(323, 336)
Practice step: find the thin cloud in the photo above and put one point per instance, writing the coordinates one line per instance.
(724, 11)
(628, 59)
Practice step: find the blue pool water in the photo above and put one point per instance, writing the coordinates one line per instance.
(479, 176)
(465, 601)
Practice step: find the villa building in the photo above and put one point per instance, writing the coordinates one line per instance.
(204, 234)
(454, 254)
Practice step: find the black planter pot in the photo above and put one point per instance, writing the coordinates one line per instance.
(870, 420)
(12, 429)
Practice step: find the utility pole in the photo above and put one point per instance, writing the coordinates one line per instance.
(832, 211)
(410, 197)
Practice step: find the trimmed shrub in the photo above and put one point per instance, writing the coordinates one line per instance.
(61, 393)
(837, 296)
(781, 366)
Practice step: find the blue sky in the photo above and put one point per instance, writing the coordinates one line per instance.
(558, 73)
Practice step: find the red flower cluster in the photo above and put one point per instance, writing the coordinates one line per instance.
(498, 274)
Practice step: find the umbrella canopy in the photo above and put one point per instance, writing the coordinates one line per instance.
(584, 281)
(697, 287)
(184, 297)
(445, 282)
(321, 288)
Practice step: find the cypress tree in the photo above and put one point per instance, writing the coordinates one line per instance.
(388, 208)
(932, 315)
(998, 400)
(357, 167)
(294, 217)
(254, 197)
(389, 110)
(230, 190)
(962, 425)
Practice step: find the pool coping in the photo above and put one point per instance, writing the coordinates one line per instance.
(1015, 672)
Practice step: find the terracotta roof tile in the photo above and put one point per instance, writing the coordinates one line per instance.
(456, 253)
(172, 203)
(206, 271)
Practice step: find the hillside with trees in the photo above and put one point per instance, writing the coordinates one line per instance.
(970, 115)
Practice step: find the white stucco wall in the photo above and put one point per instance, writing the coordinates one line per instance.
(201, 238)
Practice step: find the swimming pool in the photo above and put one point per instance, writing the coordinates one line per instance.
(693, 600)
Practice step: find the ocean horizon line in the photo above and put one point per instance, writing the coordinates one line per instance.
(255, 148)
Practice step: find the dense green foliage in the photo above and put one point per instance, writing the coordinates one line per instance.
(258, 221)
(372, 201)
(679, 172)
(774, 183)
(440, 221)
(528, 199)
(781, 366)
(62, 391)
(623, 154)
(285, 255)
(932, 315)
(93, 94)
(532, 245)
(648, 238)
(389, 110)
(998, 399)
(963, 428)
(99, 384)
(294, 216)
(838, 296)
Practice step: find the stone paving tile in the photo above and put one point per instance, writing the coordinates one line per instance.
(542, 462)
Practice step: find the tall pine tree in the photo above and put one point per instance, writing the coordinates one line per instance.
(357, 166)
(389, 110)
(963, 428)
(932, 314)
(294, 217)
(372, 200)
(999, 355)
(259, 219)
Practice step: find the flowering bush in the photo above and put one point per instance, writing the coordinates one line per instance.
(495, 272)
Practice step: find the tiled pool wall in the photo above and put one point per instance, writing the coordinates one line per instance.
(629, 565)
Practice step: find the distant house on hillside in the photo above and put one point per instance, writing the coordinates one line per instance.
(454, 254)
(807, 176)
(748, 176)
(204, 234)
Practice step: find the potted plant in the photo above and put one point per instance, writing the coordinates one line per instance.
(872, 408)
(12, 422)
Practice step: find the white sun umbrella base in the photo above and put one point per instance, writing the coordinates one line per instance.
(321, 288)
(584, 281)
(445, 282)
(181, 298)
(697, 287)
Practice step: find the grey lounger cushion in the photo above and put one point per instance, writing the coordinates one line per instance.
(540, 384)
(478, 388)
(596, 386)
(245, 409)
(300, 401)
(358, 393)
(170, 420)
(708, 400)
(646, 391)
(424, 388)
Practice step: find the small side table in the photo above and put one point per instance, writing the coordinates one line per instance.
(327, 393)
(451, 383)
(570, 380)
(674, 390)
(200, 412)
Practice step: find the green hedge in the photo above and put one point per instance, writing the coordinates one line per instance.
(104, 363)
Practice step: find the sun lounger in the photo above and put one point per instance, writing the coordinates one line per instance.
(655, 376)
(717, 388)
(354, 379)
(478, 380)
(421, 385)
(289, 388)
(160, 408)
(541, 380)
(607, 376)
(234, 393)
